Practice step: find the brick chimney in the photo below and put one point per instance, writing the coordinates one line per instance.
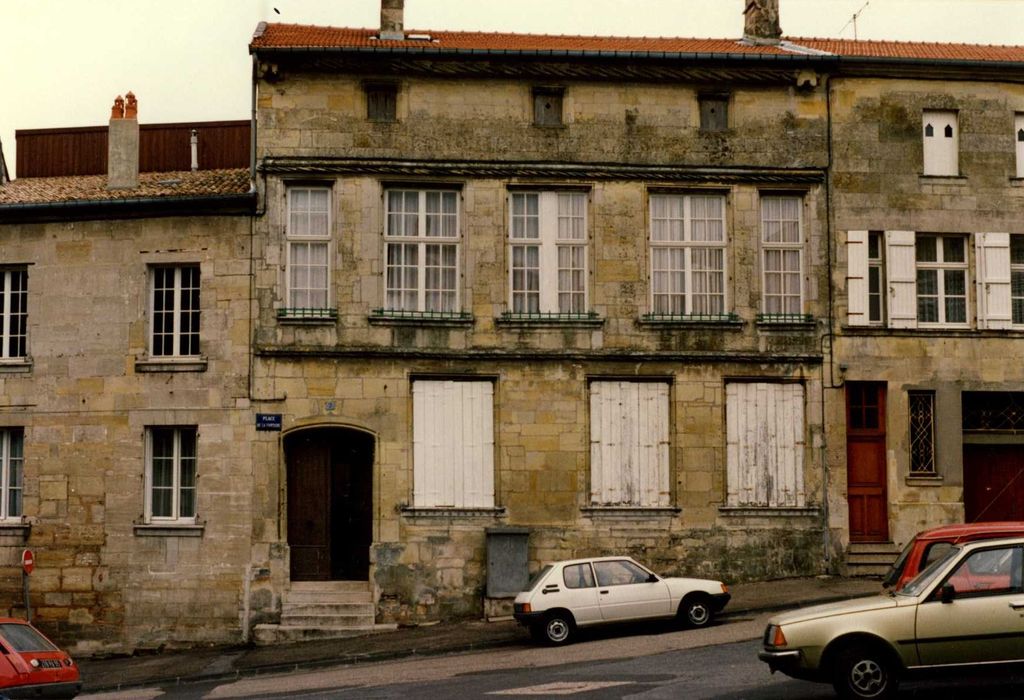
(123, 144)
(761, 22)
(392, 20)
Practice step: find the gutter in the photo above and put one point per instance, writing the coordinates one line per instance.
(136, 207)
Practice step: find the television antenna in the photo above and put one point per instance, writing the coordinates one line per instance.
(853, 20)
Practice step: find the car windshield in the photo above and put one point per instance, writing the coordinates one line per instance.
(537, 578)
(920, 582)
(24, 638)
(897, 566)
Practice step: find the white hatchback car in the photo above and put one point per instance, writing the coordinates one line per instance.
(583, 592)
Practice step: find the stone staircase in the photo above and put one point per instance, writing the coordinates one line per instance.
(313, 610)
(870, 559)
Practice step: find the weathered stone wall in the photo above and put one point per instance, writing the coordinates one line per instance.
(84, 406)
(878, 185)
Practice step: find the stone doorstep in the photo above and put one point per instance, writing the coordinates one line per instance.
(329, 620)
(340, 598)
(328, 608)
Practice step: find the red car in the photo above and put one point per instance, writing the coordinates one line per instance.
(31, 666)
(929, 545)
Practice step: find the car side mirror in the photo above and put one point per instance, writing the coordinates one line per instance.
(947, 593)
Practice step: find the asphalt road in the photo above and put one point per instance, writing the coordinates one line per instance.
(716, 663)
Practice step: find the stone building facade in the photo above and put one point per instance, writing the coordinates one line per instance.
(583, 297)
(125, 435)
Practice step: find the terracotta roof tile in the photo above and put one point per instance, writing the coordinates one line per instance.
(305, 36)
(272, 36)
(93, 188)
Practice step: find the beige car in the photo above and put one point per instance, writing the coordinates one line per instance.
(963, 613)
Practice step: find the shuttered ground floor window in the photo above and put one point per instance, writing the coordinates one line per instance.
(453, 444)
(629, 437)
(765, 444)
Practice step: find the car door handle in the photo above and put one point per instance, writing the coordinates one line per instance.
(550, 589)
(1017, 604)
(604, 592)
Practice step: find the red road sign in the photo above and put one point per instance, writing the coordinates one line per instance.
(28, 561)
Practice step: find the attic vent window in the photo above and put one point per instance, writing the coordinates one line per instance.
(381, 102)
(419, 37)
(714, 112)
(547, 106)
(949, 131)
(929, 131)
(1020, 135)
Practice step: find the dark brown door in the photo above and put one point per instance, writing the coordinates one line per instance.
(329, 504)
(865, 462)
(993, 482)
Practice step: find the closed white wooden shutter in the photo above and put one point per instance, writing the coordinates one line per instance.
(992, 254)
(765, 445)
(629, 444)
(453, 444)
(902, 275)
(857, 278)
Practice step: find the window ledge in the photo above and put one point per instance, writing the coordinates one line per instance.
(787, 321)
(731, 321)
(413, 512)
(924, 480)
(14, 528)
(1017, 181)
(19, 366)
(944, 179)
(630, 511)
(169, 529)
(167, 364)
(514, 320)
(310, 317)
(770, 511)
(388, 317)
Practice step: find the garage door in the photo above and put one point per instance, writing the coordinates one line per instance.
(993, 482)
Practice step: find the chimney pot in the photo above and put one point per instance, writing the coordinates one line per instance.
(392, 20)
(123, 144)
(761, 22)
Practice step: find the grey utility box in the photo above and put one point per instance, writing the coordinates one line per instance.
(508, 569)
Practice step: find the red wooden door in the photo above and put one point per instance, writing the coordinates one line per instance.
(993, 482)
(865, 462)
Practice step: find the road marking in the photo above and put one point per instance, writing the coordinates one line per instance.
(561, 688)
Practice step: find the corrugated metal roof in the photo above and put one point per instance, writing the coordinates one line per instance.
(296, 36)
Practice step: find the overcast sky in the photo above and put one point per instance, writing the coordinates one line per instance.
(62, 62)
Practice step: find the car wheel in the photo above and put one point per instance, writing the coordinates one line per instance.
(862, 672)
(558, 628)
(695, 611)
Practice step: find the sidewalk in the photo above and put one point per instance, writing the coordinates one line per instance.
(224, 663)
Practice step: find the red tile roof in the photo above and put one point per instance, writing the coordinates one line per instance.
(277, 36)
(93, 188)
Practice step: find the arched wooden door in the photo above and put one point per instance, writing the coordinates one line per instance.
(330, 497)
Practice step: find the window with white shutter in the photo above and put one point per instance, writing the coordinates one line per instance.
(993, 279)
(629, 439)
(453, 444)
(902, 278)
(941, 280)
(941, 139)
(857, 277)
(765, 445)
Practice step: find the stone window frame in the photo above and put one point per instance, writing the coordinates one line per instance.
(422, 240)
(298, 235)
(771, 248)
(941, 269)
(12, 475)
(686, 245)
(381, 101)
(940, 142)
(183, 310)
(14, 316)
(648, 486)
(1018, 141)
(548, 103)
(178, 435)
(542, 229)
(921, 433)
(714, 111)
(445, 448)
(1017, 279)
